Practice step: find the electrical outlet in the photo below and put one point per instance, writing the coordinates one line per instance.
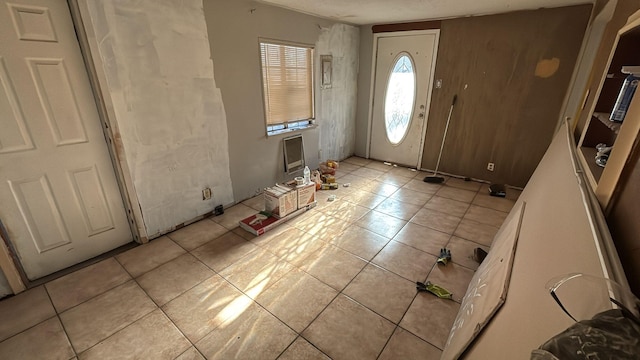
(490, 166)
(206, 194)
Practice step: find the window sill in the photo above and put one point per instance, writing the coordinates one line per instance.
(291, 129)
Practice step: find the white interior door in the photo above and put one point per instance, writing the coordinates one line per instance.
(59, 198)
(404, 68)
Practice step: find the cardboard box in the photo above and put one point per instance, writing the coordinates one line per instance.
(280, 200)
(306, 193)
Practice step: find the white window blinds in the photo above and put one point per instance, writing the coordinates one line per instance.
(287, 77)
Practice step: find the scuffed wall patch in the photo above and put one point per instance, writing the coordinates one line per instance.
(546, 68)
(156, 58)
(336, 108)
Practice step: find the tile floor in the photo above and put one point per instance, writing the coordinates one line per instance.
(336, 282)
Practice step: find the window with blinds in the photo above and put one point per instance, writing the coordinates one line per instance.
(287, 78)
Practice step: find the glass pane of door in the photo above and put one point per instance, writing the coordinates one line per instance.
(400, 98)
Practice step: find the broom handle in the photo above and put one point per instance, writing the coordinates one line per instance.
(444, 137)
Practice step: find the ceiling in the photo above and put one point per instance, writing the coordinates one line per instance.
(361, 12)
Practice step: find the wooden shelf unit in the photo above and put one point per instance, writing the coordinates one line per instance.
(604, 119)
(600, 129)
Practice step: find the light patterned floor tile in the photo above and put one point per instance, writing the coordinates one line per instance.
(302, 349)
(404, 345)
(381, 224)
(360, 241)
(406, 261)
(447, 206)
(390, 300)
(486, 216)
(421, 186)
(435, 311)
(167, 281)
(297, 298)
(294, 272)
(152, 337)
(205, 307)
(256, 272)
(191, 354)
(24, 310)
(456, 194)
(411, 196)
(77, 287)
(333, 266)
(399, 209)
(477, 232)
(223, 251)
(46, 341)
(197, 234)
(356, 160)
(93, 321)
(422, 238)
(497, 203)
(436, 220)
(244, 337)
(348, 330)
(148, 256)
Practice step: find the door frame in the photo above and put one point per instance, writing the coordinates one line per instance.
(432, 70)
(9, 263)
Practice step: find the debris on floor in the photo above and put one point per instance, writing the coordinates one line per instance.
(436, 290)
(497, 190)
(329, 186)
(445, 256)
(328, 167)
(328, 177)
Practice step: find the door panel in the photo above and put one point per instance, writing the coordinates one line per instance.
(14, 135)
(58, 100)
(59, 198)
(420, 49)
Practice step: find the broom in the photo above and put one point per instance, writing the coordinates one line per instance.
(435, 178)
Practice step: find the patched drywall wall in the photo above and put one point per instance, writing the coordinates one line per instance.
(336, 105)
(172, 124)
(235, 27)
(364, 90)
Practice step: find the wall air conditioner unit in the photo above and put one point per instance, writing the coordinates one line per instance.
(293, 154)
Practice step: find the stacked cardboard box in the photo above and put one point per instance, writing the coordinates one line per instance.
(306, 193)
(280, 200)
(281, 203)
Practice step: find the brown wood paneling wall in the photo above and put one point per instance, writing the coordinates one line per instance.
(505, 114)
